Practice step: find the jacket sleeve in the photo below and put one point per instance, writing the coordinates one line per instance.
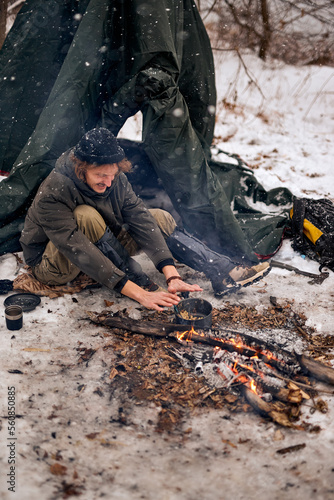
(55, 216)
(143, 227)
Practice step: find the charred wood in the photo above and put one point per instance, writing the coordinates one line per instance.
(289, 449)
(152, 328)
(288, 394)
(266, 409)
(253, 342)
(244, 351)
(316, 369)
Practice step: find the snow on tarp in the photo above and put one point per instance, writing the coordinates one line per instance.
(121, 58)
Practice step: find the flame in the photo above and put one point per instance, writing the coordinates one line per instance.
(247, 367)
(237, 343)
(252, 386)
(261, 355)
(181, 335)
(186, 336)
(242, 378)
(240, 345)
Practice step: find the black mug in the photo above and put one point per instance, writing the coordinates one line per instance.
(14, 317)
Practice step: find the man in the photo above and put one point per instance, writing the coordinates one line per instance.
(84, 216)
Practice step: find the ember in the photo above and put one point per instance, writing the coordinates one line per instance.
(270, 377)
(228, 368)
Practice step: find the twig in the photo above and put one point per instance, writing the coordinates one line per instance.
(317, 95)
(302, 332)
(252, 80)
(305, 386)
(209, 10)
(317, 348)
(248, 74)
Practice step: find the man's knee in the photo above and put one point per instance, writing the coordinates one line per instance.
(90, 222)
(165, 221)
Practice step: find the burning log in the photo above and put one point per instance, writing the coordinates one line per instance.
(239, 347)
(317, 370)
(266, 409)
(255, 343)
(263, 377)
(290, 394)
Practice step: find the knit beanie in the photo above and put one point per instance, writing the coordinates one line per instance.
(99, 146)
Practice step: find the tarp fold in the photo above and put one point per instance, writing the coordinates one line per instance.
(98, 62)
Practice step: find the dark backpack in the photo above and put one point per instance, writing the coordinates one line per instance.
(312, 225)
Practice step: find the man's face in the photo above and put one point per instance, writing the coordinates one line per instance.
(99, 178)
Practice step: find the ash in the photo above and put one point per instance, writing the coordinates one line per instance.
(279, 340)
(217, 366)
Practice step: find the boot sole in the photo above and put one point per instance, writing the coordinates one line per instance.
(246, 283)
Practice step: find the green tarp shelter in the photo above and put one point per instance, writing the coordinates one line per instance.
(69, 66)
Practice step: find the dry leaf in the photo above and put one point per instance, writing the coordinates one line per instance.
(230, 398)
(278, 436)
(280, 418)
(305, 396)
(92, 435)
(321, 405)
(108, 303)
(295, 396)
(113, 373)
(57, 469)
(293, 386)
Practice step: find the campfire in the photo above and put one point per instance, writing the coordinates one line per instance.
(273, 380)
(237, 362)
(250, 369)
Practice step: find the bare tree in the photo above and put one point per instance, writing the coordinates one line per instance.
(294, 31)
(266, 30)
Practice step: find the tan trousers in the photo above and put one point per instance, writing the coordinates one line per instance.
(56, 269)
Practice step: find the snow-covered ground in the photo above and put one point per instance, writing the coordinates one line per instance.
(280, 119)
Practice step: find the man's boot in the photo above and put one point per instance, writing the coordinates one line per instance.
(225, 275)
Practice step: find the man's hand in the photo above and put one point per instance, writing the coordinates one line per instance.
(178, 285)
(150, 300)
(158, 300)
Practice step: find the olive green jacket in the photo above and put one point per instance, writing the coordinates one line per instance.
(50, 218)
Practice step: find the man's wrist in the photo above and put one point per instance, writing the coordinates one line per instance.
(132, 290)
(171, 278)
(170, 272)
